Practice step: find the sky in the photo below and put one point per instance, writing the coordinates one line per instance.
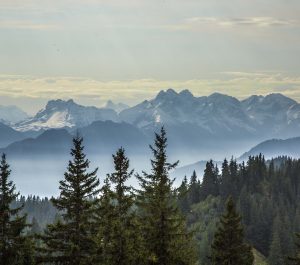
(128, 50)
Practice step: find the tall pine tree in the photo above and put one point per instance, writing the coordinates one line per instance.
(12, 223)
(194, 189)
(119, 230)
(183, 193)
(230, 185)
(228, 246)
(165, 235)
(104, 216)
(275, 255)
(70, 241)
(210, 182)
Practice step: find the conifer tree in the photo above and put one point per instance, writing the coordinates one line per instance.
(210, 183)
(229, 184)
(165, 235)
(234, 178)
(194, 189)
(275, 255)
(225, 184)
(123, 246)
(228, 246)
(70, 241)
(296, 259)
(35, 227)
(104, 216)
(12, 223)
(183, 188)
(183, 196)
(27, 251)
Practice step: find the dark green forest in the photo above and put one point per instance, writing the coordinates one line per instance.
(239, 214)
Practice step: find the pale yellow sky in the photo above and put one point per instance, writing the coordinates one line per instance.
(94, 92)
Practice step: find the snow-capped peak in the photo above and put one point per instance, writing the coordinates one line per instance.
(59, 114)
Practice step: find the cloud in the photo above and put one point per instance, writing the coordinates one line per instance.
(248, 74)
(96, 92)
(258, 22)
(26, 24)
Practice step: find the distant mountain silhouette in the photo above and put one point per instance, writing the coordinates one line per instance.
(12, 114)
(275, 147)
(9, 135)
(100, 137)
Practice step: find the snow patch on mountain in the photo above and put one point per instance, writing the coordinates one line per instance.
(213, 116)
(218, 114)
(60, 114)
(213, 113)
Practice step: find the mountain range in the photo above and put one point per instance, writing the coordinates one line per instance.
(275, 147)
(65, 114)
(270, 149)
(100, 137)
(216, 115)
(9, 135)
(12, 114)
(212, 125)
(198, 128)
(257, 115)
(118, 107)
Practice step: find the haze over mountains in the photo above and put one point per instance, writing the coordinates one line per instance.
(12, 114)
(60, 114)
(257, 116)
(211, 125)
(275, 147)
(199, 128)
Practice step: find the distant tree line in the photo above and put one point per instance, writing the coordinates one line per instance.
(267, 194)
(223, 219)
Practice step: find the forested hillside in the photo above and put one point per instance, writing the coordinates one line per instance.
(244, 214)
(267, 195)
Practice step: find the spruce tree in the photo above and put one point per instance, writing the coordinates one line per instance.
(27, 251)
(35, 227)
(165, 235)
(295, 260)
(105, 217)
(122, 242)
(70, 241)
(225, 183)
(275, 254)
(183, 196)
(183, 188)
(210, 183)
(229, 181)
(12, 223)
(228, 246)
(194, 189)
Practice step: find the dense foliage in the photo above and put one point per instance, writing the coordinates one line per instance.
(228, 246)
(166, 238)
(70, 240)
(267, 197)
(157, 223)
(15, 248)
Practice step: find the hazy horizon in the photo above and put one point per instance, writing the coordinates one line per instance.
(40, 104)
(128, 50)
